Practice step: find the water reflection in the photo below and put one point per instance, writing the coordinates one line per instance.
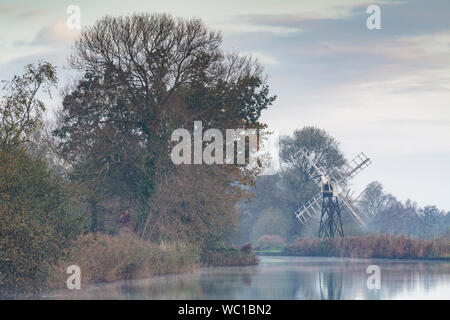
(287, 278)
(330, 284)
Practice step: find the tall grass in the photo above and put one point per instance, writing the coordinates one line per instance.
(105, 258)
(372, 246)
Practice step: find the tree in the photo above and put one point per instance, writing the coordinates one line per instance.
(39, 220)
(373, 199)
(201, 213)
(322, 148)
(430, 222)
(39, 216)
(20, 107)
(144, 76)
(291, 187)
(270, 222)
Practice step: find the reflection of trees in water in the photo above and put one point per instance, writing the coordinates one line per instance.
(347, 279)
(286, 279)
(247, 279)
(207, 284)
(330, 284)
(305, 285)
(317, 282)
(227, 284)
(404, 278)
(215, 283)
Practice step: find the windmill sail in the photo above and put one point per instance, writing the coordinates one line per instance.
(309, 208)
(355, 166)
(314, 170)
(352, 211)
(318, 175)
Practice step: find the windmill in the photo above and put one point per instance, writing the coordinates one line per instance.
(327, 201)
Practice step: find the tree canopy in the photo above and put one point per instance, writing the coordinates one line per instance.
(143, 77)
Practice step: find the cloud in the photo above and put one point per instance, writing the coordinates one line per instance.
(242, 27)
(261, 57)
(31, 14)
(401, 65)
(9, 8)
(56, 34)
(347, 23)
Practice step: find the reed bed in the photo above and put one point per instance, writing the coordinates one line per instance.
(372, 246)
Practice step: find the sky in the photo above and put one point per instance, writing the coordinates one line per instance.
(385, 91)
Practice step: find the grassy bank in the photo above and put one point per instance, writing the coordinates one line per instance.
(373, 246)
(105, 258)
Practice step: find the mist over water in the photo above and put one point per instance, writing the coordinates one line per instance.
(288, 278)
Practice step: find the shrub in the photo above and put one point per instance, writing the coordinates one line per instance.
(247, 248)
(229, 256)
(270, 242)
(38, 222)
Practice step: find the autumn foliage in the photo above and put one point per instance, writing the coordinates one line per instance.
(38, 222)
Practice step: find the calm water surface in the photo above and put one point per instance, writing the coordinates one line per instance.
(289, 278)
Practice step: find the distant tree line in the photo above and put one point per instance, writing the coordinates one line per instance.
(276, 197)
(393, 217)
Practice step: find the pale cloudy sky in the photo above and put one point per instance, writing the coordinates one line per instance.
(385, 92)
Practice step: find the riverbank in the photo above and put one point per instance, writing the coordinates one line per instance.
(103, 258)
(372, 246)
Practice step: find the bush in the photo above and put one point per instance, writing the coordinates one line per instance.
(38, 222)
(270, 242)
(229, 256)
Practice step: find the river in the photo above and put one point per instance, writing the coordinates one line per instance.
(289, 278)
